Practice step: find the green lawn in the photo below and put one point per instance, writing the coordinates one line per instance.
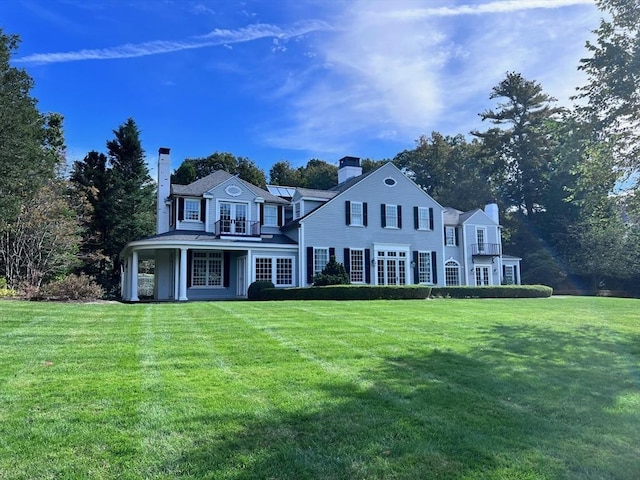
(447, 389)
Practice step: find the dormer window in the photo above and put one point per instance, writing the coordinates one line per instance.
(270, 216)
(192, 209)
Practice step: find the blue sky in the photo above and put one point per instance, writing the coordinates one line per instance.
(288, 79)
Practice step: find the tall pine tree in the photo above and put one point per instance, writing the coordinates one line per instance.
(121, 197)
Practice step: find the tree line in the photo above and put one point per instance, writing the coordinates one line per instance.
(566, 179)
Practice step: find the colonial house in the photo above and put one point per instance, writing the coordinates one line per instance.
(220, 233)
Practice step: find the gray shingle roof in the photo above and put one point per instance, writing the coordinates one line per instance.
(203, 185)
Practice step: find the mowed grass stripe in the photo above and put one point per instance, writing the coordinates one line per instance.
(448, 389)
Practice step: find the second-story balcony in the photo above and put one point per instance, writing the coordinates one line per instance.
(237, 228)
(485, 250)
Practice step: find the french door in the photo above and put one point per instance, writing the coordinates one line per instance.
(391, 267)
(233, 218)
(482, 276)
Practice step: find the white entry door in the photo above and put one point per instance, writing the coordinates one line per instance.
(482, 276)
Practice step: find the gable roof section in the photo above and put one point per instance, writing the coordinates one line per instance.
(466, 216)
(312, 193)
(203, 185)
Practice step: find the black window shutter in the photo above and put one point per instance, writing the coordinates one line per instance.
(367, 265)
(262, 213)
(347, 212)
(504, 273)
(445, 234)
(399, 210)
(226, 269)
(332, 253)
(280, 216)
(430, 218)
(309, 264)
(364, 214)
(347, 260)
(416, 268)
(203, 209)
(189, 262)
(434, 268)
(515, 276)
(455, 229)
(416, 222)
(383, 215)
(180, 208)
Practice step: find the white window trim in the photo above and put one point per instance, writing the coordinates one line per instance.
(428, 255)
(274, 268)
(386, 217)
(424, 228)
(351, 215)
(364, 267)
(275, 223)
(457, 265)
(209, 260)
(315, 271)
(184, 215)
(453, 237)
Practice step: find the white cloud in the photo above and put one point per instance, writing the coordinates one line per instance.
(215, 38)
(393, 72)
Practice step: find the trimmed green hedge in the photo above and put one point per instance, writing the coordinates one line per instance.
(348, 292)
(503, 291)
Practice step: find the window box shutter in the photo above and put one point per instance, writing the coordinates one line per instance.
(434, 268)
(416, 222)
(383, 215)
(364, 213)
(226, 269)
(203, 209)
(416, 268)
(347, 260)
(367, 265)
(347, 212)
(430, 218)
(399, 210)
(189, 262)
(309, 264)
(180, 208)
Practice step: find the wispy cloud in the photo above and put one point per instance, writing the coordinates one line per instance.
(393, 72)
(215, 38)
(505, 6)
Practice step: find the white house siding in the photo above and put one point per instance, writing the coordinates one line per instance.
(327, 226)
(164, 269)
(480, 220)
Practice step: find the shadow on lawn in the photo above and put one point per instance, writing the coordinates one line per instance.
(526, 403)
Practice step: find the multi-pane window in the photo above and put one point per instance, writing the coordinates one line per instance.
(284, 271)
(424, 267)
(452, 273)
(391, 215)
(278, 270)
(192, 209)
(356, 214)
(206, 269)
(450, 236)
(320, 259)
(297, 210)
(356, 262)
(509, 277)
(263, 269)
(270, 216)
(480, 238)
(423, 218)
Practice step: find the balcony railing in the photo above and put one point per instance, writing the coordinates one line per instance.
(238, 228)
(485, 249)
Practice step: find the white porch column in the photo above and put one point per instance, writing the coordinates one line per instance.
(176, 274)
(183, 275)
(134, 276)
